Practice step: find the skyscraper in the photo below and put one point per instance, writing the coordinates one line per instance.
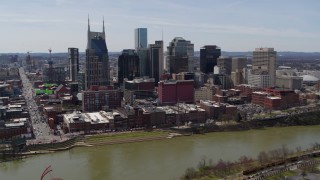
(208, 58)
(238, 70)
(156, 60)
(180, 55)
(225, 65)
(238, 63)
(73, 56)
(140, 38)
(97, 59)
(141, 47)
(143, 54)
(264, 62)
(128, 65)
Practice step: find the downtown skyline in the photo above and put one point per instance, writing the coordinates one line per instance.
(240, 25)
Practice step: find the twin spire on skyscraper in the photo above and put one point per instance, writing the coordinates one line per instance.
(103, 29)
(95, 35)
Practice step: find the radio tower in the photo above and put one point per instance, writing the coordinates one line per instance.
(50, 70)
(50, 60)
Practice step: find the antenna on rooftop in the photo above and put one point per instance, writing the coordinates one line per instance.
(162, 34)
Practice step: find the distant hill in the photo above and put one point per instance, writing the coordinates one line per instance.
(196, 53)
(281, 53)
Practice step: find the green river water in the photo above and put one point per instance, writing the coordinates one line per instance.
(157, 160)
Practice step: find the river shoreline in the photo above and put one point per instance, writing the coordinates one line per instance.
(166, 159)
(304, 119)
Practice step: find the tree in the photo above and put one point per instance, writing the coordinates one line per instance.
(221, 167)
(285, 151)
(190, 173)
(244, 161)
(263, 157)
(202, 164)
(275, 154)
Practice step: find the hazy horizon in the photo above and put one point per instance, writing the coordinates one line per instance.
(235, 26)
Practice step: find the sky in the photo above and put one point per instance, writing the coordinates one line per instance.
(233, 25)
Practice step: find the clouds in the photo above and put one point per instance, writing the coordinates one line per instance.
(289, 25)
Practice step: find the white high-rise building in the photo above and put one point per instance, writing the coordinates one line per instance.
(264, 63)
(259, 80)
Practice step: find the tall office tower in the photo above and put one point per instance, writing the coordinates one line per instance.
(208, 58)
(156, 60)
(225, 65)
(97, 59)
(238, 63)
(28, 62)
(264, 62)
(141, 47)
(143, 54)
(180, 55)
(73, 55)
(128, 65)
(238, 70)
(140, 38)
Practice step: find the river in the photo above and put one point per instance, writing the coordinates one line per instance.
(157, 160)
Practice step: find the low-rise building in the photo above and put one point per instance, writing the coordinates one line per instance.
(246, 90)
(215, 110)
(183, 113)
(77, 121)
(204, 93)
(289, 82)
(275, 98)
(138, 88)
(15, 127)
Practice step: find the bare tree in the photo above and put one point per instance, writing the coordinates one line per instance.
(275, 154)
(263, 157)
(285, 151)
(221, 167)
(190, 174)
(203, 163)
(245, 161)
(298, 150)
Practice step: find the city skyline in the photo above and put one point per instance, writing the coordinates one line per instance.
(240, 25)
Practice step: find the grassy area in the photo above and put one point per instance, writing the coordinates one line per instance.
(123, 136)
(282, 175)
(265, 115)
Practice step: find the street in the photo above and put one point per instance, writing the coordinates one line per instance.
(41, 130)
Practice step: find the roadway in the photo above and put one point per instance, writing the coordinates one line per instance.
(41, 130)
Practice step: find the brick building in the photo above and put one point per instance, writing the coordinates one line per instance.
(14, 128)
(246, 90)
(215, 110)
(172, 92)
(61, 91)
(139, 88)
(274, 98)
(101, 99)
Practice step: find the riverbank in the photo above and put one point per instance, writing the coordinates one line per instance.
(267, 165)
(308, 118)
(89, 141)
(160, 159)
(128, 137)
(302, 119)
